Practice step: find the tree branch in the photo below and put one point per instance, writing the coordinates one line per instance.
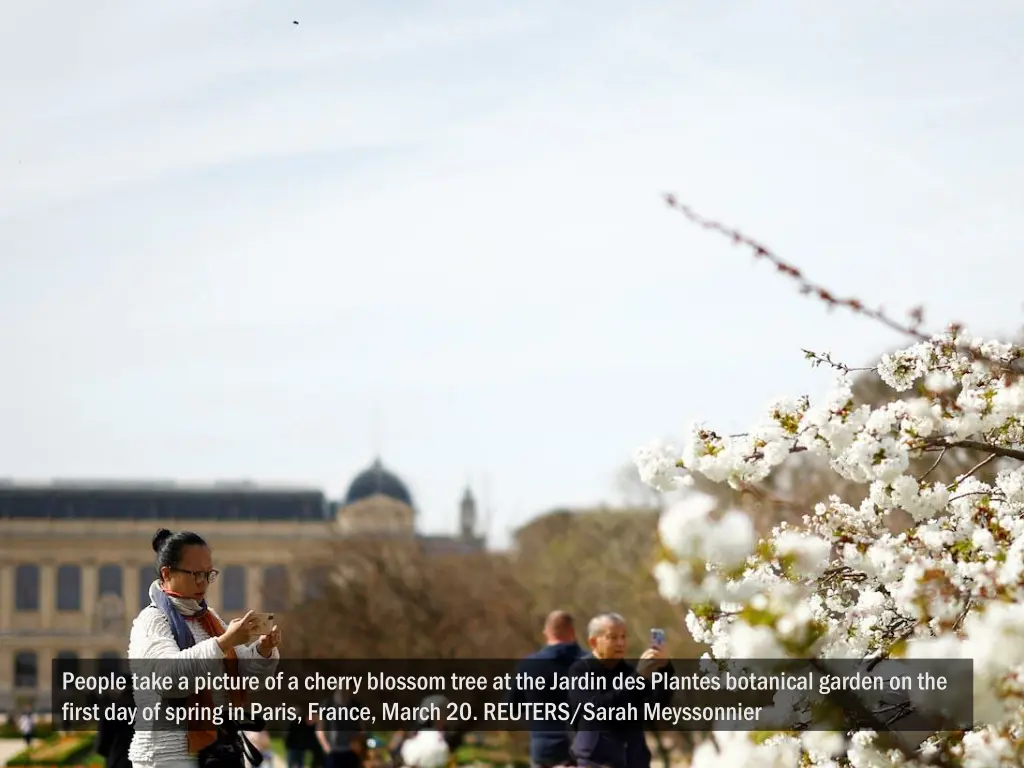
(977, 466)
(1013, 367)
(933, 466)
(851, 704)
(806, 286)
(978, 445)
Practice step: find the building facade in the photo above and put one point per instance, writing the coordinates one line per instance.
(76, 560)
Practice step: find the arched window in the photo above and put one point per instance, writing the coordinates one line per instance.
(232, 591)
(110, 580)
(69, 588)
(26, 587)
(26, 669)
(275, 588)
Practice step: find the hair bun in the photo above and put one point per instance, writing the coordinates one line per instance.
(161, 536)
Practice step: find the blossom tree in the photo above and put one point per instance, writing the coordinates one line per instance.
(840, 583)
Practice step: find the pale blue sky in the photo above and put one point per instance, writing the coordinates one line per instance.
(226, 239)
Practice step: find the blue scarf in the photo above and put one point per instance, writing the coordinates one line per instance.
(172, 608)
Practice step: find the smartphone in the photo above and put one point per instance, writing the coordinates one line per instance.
(264, 623)
(657, 638)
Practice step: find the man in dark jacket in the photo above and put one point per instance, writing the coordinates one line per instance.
(300, 739)
(549, 748)
(621, 744)
(343, 741)
(114, 737)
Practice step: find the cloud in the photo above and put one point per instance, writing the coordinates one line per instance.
(223, 236)
(191, 101)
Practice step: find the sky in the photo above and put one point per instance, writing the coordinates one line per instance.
(234, 247)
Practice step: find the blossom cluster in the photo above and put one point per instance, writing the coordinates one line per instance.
(842, 584)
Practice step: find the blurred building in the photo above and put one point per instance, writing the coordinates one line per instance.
(76, 560)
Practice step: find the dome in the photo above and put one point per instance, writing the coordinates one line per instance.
(376, 480)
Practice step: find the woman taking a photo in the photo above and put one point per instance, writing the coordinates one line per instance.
(178, 634)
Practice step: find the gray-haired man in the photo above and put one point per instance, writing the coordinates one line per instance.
(622, 744)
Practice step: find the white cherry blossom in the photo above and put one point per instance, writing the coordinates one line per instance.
(841, 584)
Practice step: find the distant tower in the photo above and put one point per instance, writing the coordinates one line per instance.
(467, 515)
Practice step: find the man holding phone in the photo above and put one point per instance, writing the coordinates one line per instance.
(625, 745)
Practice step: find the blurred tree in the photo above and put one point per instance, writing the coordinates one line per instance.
(391, 600)
(591, 561)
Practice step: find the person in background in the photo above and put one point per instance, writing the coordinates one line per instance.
(318, 758)
(178, 626)
(27, 725)
(625, 745)
(261, 742)
(433, 745)
(114, 737)
(300, 739)
(550, 747)
(344, 743)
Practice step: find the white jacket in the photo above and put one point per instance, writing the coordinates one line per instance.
(152, 638)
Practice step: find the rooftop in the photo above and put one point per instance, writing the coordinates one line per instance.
(135, 486)
(378, 480)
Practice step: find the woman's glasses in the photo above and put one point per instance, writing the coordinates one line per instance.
(200, 576)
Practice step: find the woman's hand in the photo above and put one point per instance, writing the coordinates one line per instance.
(269, 642)
(239, 632)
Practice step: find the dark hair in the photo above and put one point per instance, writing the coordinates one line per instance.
(169, 546)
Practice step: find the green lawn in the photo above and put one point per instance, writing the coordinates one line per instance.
(72, 749)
